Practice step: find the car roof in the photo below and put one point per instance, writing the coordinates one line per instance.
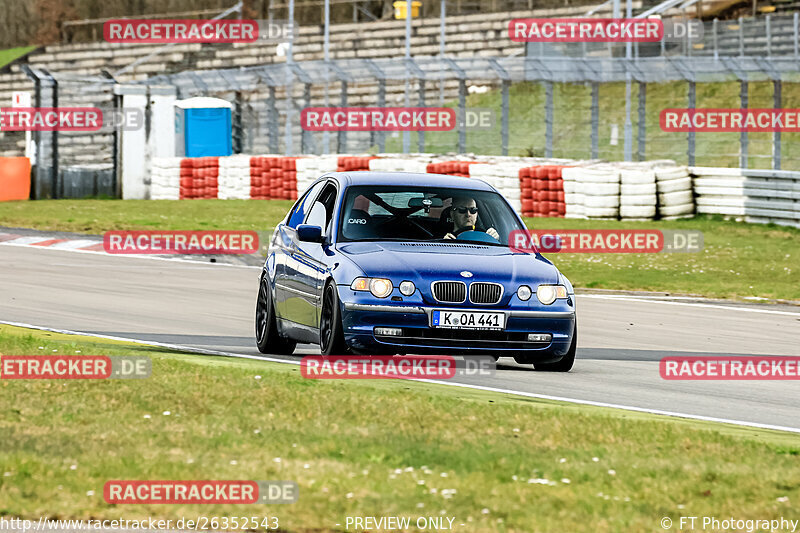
(409, 178)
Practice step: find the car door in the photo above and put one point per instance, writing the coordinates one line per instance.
(285, 245)
(306, 265)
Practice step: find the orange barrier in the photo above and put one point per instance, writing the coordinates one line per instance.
(15, 178)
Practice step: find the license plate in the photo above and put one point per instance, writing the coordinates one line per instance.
(467, 320)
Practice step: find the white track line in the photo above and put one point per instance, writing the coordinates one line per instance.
(712, 306)
(203, 351)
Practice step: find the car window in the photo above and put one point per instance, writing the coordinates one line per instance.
(321, 212)
(386, 212)
(302, 207)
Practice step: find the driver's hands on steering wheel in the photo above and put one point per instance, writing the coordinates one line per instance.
(490, 232)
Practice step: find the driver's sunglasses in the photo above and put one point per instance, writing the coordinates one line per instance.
(463, 210)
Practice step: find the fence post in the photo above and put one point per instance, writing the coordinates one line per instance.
(421, 133)
(504, 120)
(304, 135)
(381, 104)
(115, 138)
(237, 123)
(54, 184)
(743, 140)
(777, 103)
(691, 134)
(769, 35)
(272, 122)
(341, 135)
(716, 45)
(642, 120)
(462, 113)
(595, 119)
(548, 119)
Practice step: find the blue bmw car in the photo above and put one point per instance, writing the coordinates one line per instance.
(395, 263)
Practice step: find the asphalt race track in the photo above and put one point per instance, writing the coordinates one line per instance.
(621, 340)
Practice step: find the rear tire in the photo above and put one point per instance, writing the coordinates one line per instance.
(268, 340)
(331, 333)
(566, 362)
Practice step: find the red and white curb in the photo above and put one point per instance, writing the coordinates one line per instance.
(84, 245)
(96, 247)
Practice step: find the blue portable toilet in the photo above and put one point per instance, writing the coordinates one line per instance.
(203, 127)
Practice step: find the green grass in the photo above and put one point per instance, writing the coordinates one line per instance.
(572, 124)
(343, 442)
(99, 216)
(10, 54)
(739, 260)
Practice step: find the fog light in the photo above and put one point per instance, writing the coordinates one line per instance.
(407, 288)
(388, 332)
(524, 293)
(539, 337)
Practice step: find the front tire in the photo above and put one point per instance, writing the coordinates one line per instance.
(566, 362)
(331, 333)
(268, 340)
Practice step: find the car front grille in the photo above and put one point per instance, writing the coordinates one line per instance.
(452, 292)
(485, 293)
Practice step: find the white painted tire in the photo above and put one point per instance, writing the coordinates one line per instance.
(631, 177)
(638, 199)
(595, 212)
(570, 187)
(637, 211)
(676, 198)
(671, 173)
(638, 188)
(674, 210)
(599, 189)
(601, 201)
(574, 198)
(680, 184)
(602, 175)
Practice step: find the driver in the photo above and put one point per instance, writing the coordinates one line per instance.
(465, 213)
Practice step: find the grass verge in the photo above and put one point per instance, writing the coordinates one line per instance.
(370, 448)
(10, 54)
(739, 260)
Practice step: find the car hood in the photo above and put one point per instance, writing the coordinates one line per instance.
(425, 262)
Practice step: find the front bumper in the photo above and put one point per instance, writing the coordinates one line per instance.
(360, 319)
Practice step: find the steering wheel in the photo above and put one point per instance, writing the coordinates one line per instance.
(473, 235)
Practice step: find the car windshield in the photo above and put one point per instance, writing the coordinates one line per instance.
(380, 212)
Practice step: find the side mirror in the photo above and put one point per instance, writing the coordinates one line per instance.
(309, 233)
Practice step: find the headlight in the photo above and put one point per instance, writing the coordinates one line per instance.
(379, 287)
(548, 294)
(407, 288)
(524, 293)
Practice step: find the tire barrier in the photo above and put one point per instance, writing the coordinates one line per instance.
(353, 164)
(542, 189)
(451, 168)
(273, 178)
(675, 193)
(535, 187)
(198, 177)
(758, 196)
